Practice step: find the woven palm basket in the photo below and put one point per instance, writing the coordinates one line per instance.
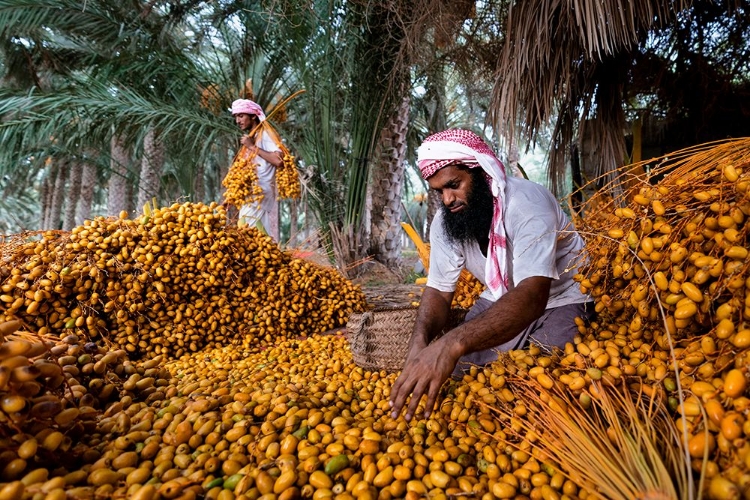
(379, 339)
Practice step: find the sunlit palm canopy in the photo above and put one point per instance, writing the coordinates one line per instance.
(76, 73)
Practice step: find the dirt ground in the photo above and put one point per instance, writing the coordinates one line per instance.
(384, 288)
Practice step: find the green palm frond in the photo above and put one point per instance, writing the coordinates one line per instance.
(18, 212)
(89, 111)
(92, 19)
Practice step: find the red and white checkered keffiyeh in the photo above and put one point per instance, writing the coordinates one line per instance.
(465, 147)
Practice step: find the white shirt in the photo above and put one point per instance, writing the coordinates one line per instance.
(266, 171)
(541, 242)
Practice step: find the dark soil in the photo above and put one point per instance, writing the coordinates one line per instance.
(385, 288)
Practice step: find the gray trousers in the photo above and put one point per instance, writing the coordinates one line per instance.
(554, 328)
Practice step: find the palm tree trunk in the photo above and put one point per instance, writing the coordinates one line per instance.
(387, 185)
(88, 182)
(47, 187)
(308, 224)
(74, 192)
(293, 222)
(436, 122)
(151, 167)
(223, 160)
(58, 196)
(199, 185)
(273, 222)
(117, 199)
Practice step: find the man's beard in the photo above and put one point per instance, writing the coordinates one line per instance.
(251, 125)
(475, 220)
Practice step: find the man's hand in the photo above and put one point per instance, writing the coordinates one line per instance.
(275, 158)
(425, 370)
(428, 366)
(252, 149)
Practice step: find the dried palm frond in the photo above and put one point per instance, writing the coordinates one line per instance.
(622, 446)
(573, 52)
(346, 248)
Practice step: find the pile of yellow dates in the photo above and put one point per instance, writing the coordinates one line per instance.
(171, 282)
(669, 275)
(295, 420)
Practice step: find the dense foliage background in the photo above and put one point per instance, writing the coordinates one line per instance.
(108, 105)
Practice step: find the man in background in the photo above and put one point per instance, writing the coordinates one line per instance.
(259, 151)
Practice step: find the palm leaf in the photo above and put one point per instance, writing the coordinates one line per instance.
(568, 50)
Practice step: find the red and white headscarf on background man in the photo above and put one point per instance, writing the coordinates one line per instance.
(465, 147)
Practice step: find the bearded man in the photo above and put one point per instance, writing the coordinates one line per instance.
(513, 236)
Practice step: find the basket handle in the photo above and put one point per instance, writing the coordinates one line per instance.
(362, 337)
(366, 321)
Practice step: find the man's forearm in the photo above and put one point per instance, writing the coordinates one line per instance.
(272, 157)
(432, 316)
(505, 319)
